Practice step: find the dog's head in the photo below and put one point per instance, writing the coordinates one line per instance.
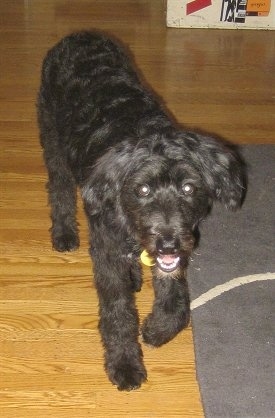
(161, 191)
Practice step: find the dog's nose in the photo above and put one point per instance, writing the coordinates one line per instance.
(167, 245)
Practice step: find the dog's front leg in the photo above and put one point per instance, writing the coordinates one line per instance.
(119, 325)
(171, 310)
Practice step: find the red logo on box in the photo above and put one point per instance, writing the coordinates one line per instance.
(196, 5)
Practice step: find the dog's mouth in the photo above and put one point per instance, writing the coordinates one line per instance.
(165, 262)
(168, 262)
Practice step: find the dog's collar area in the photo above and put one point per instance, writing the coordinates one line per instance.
(165, 262)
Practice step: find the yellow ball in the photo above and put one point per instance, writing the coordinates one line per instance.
(146, 259)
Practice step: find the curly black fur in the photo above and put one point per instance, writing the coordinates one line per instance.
(145, 184)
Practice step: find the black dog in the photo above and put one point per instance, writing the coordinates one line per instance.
(146, 185)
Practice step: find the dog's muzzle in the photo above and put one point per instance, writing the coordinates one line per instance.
(167, 255)
(165, 262)
(168, 258)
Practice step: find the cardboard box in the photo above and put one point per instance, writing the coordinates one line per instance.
(223, 14)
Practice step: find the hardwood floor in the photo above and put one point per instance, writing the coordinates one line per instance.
(50, 351)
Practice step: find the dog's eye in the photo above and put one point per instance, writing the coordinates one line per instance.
(144, 190)
(188, 189)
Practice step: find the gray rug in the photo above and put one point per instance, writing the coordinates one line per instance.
(233, 299)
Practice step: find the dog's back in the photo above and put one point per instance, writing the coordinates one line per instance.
(93, 96)
(79, 62)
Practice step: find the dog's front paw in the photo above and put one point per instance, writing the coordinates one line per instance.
(127, 376)
(153, 333)
(68, 241)
(158, 330)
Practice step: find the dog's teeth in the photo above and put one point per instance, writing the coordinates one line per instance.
(168, 266)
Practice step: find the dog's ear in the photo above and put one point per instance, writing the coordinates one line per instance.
(222, 169)
(96, 195)
(103, 182)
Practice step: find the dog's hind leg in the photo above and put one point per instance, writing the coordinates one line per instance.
(171, 311)
(61, 189)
